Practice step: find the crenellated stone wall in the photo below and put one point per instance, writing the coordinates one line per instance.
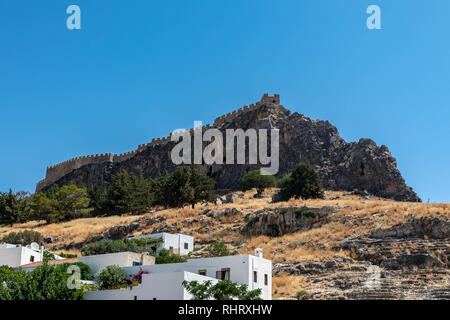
(229, 117)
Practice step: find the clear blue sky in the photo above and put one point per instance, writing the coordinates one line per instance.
(139, 69)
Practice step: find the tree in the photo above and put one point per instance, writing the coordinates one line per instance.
(166, 257)
(180, 188)
(127, 193)
(98, 196)
(73, 202)
(47, 256)
(303, 182)
(203, 187)
(254, 179)
(44, 208)
(217, 249)
(222, 290)
(185, 186)
(42, 283)
(110, 277)
(61, 204)
(14, 207)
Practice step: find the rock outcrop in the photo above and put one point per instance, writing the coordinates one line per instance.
(343, 166)
(422, 243)
(279, 221)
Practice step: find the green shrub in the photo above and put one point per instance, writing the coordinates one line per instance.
(217, 249)
(304, 182)
(112, 246)
(111, 277)
(23, 237)
(166, 257)
(305, 213)
(48, 256)
(67, 255)
(301, 294)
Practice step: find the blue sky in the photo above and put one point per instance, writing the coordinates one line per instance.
(139, 69)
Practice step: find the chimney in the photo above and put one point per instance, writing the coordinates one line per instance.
(258, 252)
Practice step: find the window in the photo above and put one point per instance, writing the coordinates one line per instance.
(186, 245)
(223, 274)
(31, 258)
(255, 276)
(202, 272)
(266, 279)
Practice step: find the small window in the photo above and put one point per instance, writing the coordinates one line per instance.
(266, 279)
(255, 276)
(223, 274)
(202, 272)
(186, 245)
(31, 258)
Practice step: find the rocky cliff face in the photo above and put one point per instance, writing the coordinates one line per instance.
(343, 166)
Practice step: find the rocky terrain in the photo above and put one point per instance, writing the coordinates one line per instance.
(351, 245)
(343, 166)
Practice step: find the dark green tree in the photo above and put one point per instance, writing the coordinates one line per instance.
(180, 188)
(217, 249)
(62, 204)
(303, 182)
(14, 207)
(203, 188)
(127, 193)
(254, 179)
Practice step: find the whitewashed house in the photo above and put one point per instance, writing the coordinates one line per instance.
(13, 255)
(164, 281)
(176, 243)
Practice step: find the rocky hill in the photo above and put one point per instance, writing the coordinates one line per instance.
(343, 166)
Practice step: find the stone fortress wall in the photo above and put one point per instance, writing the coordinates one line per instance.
(56, 172)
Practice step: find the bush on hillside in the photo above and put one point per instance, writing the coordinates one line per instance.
(25, 237)
(303, 182)
(254, 179)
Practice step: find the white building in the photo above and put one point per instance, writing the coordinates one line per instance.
(13, 255)
(121, 259)
(176, 243)
(154, 286)
(164, 281)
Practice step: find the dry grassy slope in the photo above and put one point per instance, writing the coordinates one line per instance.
(315, 244)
